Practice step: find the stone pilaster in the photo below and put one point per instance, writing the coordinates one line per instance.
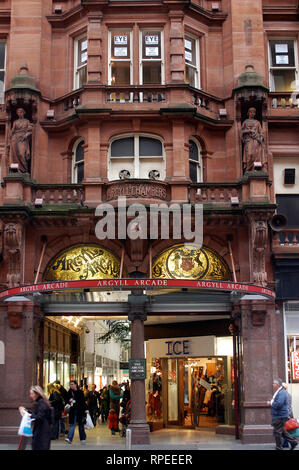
(260, 366)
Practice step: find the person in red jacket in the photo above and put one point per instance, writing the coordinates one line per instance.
(113, 421)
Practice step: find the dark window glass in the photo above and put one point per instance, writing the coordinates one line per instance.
(149, 147)
(193, 151)
(193, 171)
(288, 206)
(2, 55)
(282, 53)
(80, 152)
(123, 147)
(80, 172)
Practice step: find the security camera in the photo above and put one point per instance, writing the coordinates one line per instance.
(87, 330)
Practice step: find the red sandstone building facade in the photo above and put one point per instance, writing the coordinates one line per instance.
(149, 100)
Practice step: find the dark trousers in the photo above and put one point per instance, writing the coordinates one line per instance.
(93, 414)
(280, 432)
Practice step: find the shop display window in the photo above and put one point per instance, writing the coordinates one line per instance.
(154, 392)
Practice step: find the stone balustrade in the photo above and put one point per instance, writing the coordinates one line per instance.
(218, 193)
(283, 101)
(57, 194)
(286, 240)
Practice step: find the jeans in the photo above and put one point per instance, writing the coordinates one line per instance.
(72, 428)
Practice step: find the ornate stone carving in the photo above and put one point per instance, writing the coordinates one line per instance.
(137, 307)
(12, 252)
(133, 189)
(259, 241)
(20, 137)
(252, 138)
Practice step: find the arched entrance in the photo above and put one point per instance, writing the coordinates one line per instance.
(185, 302)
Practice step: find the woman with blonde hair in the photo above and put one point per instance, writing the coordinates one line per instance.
(41, 418)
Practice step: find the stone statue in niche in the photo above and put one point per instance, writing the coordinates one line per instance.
(253, 139)
(20, 136)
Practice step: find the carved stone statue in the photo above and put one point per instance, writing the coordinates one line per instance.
(20, 141)
(12, 252)
(252, 137)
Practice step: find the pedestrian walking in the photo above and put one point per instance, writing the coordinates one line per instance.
(113, 421)
(280, 415)
(41, 418)
(92, 400)
(115, 394)
(77, 412)
(105, 401)
(56, 401)
(285, 443)
(63, 393)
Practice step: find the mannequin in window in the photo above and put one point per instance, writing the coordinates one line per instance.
(252, 137)
(20, 141)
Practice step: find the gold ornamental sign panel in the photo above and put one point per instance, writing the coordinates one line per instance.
(187, 262)
(83, 262)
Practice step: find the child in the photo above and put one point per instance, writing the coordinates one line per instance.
(113, 422)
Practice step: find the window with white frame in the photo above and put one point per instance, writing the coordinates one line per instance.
(152, 57)
(2, 70)
(192, 61)
(78, 162)
(282, 64)
(195, 162)
(136, 156)
(80, 61)
(120, 61)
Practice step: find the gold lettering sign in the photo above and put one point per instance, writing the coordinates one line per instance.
(187, 262)
(83, 262)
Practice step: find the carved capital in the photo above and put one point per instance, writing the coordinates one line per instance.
(15, 315)
(137, 307)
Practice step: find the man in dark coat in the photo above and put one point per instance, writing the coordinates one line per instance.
(280, 415)
(92, 399)
(77, 412)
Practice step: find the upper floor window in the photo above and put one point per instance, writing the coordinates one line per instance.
(80, 62)
(195, 162)
(120, 61)
(136, 156)
(282, 64)
(192, 65)
(78, 162)
(152, 58)
(2, 70)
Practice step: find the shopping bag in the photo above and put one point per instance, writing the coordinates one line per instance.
(291, 424)
(294, 432)
(25, 426)
(89, 423)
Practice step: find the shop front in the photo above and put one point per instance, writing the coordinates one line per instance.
(189, 382)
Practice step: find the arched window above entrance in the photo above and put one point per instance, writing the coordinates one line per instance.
(187, 262)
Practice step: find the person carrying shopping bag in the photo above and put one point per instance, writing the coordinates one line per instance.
(77, 412)
(40, 417)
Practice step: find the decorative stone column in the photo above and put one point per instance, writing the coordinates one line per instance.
(260, 365)
(18, 370)
(137, 315)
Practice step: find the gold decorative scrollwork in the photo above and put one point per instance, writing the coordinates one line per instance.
(83, 262)
(188, 262)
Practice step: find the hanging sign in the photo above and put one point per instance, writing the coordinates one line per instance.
(295, 365)
(137, 369)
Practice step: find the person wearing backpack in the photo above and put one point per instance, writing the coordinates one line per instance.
(41, 419)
